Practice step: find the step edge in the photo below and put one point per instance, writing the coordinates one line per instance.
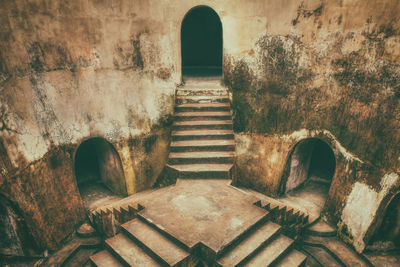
(147, 249)
(260, 246)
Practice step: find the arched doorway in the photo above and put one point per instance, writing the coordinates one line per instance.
(98, 171)
(201, 43)
(311, 167)
(16, 240)
(387, 236)
(311, 159)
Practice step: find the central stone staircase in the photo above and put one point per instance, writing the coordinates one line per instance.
(202, 148)
(203, 144)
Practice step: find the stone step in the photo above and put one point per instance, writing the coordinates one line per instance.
(203, 145)
(203, 115)
(323, 257)
(105, 259)
(194, 82)
(154, 243)
(202, 135)
(294, 258)
(201, 91)
(201, 99)
(272, 253)
(334, 248)
(206, 124)
(201, 157)
(250, 245)
(322, 229)
(203, 107)
(205, 171)
(128, 252)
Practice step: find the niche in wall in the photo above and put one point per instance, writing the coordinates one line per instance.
(201, 43)
(310, 159)
(97, 164)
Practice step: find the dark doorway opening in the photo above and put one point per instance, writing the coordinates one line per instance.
(201, 43)
(387, 236)
(322, 163)
(98, 172)
(311, 159)
(310, 169)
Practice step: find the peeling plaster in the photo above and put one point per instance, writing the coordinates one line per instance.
(346, 154)
(361, 207)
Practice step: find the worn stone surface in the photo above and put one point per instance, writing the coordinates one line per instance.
(44, 189)
(85, 230)
(323, 69)
(358, 219)
(72, 70)
(203, 203)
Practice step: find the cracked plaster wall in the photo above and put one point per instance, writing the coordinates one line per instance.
(70, 70)
(321, 69)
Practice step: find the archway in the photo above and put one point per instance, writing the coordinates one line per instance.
(387, 236)
(311, 159)
(98, 170)
(201, 43)
(310, 169)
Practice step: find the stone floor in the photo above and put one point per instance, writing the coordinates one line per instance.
(310, 197)
(213, 211)
(221, 218)
(96, 195)
(206, 213)
(199, 207)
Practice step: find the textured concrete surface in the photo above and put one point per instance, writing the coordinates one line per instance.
(213, 212)
(72, 70)
(96, 195)
(200, 207)
(310, 197)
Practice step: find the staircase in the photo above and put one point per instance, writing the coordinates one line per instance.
(203, 144)
(140, 243)
(202, 148)
(265, 245)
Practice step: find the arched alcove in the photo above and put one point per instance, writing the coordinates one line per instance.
(310, 159)
(201, 43)
(16, 240)
(387, 235)
(308, 175)
(98, 170)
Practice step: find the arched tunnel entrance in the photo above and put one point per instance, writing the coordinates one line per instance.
(311, 166)
(201, 43)
(98, 171)
(387, 236)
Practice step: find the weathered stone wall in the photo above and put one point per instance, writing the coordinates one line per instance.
(70, 70)
(328, 69)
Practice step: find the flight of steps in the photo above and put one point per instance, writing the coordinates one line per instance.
(263, 246)
(292, 220)
(203, 144)
(141, 243)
